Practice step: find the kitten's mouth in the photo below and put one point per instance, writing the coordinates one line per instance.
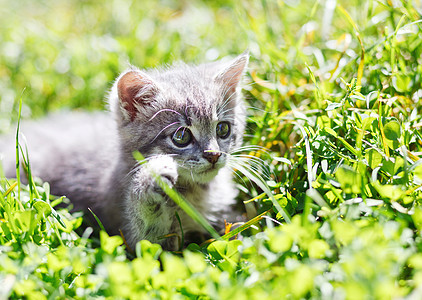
(210, 169)
(202, 174)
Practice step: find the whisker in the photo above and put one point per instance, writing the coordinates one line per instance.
(174, 123)
(246, 160)
(221, 110)
(255, 166)
(249, 148)
(139, 164)
(163, 110)
(253, 161)
(238, 169)
(249, 172)
(225, 103)
(256, 108)
(220, 113)
(236, 173)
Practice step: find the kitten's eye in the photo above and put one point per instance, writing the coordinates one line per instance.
(182, 137)
(223, 130)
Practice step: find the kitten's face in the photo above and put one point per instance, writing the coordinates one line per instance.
(190, 113)
(198, 143)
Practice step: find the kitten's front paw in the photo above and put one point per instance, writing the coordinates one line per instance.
(162, 168)
(165, 167)
(145, 182)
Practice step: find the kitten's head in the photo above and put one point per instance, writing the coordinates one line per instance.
(192, 113)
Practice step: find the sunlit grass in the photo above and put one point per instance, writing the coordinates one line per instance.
(333, 91)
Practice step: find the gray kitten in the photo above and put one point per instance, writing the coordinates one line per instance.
(185, 120)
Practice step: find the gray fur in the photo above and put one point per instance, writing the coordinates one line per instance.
(89, 157)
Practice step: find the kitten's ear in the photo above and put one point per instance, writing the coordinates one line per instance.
(231, 75)
(135, 90)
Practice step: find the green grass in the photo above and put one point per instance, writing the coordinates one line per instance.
(336, 101)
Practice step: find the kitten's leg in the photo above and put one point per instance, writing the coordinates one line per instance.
(150, 212)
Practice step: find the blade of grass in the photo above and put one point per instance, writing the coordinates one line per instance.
(182, 242)
(18, 179)
(260, 196)
(254, 177)
(357, 33)
(97, 219)
(245, 226)
(10, 189)
(317, 92)
(342, 140)
(32, 187)
(186, 206)
(381, 127)
(308, 156)
(365, 124)
(314, 195)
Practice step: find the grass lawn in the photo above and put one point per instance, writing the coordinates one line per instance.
(333, 92)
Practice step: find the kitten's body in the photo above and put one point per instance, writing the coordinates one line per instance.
(89, 157)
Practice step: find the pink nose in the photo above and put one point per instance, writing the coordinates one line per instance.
(212, 157)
